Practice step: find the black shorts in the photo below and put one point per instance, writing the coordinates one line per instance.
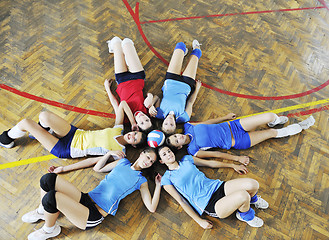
(128, 76)
(188, 80)
(95, 217)
(218, 194)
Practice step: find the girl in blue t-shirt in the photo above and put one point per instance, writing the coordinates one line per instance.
(174, 106)
(216, 198)
(238, 134)
(87, 210)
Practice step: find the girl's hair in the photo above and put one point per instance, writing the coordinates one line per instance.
(152, 127)
(150, 173)
(142, 143)
(169, 144)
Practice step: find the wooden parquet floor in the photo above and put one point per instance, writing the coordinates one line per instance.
(257, 56)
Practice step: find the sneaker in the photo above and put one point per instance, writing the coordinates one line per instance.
(6, 141)
(33, 216)
(260, 203)
(50, 131)
(126, 40)
(255, 222)
(43, 235)
(289, 130)
(196, 44)
(307, 122)
(281, 120)
(110, 42)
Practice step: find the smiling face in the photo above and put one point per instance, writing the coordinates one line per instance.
(146, 159)
(142, 120)
(177, 140)
(167, 156)
(169, 124)
(133, 138)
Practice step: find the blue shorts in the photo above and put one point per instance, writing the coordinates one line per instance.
(127, 76)
(241, 137)
(62, 149)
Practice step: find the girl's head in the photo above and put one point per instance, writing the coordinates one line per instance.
(176, 141)
(143, 121)
(167, 156)
(146, 158)
(136, 139)
(169, 124)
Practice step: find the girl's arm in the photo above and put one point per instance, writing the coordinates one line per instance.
(152, 102)
(217, 154)
(191, 100)
(113, 100)
(229, 116)
(101, 165)
(151, 203)
(129, 114)
(204, 223)
(241, 169)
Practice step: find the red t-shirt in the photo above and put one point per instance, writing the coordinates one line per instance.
(132, 92)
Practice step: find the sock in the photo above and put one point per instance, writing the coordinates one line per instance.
(254, 199)
(289, 130)
(15, 132)
(48, 229)
(181, 46)
(197, 52)
(307, 122)
(278, 120)
(247, 216)
(40, 209)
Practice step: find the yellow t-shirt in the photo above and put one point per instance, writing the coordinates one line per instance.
(97, 142)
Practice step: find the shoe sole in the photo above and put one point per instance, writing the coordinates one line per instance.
(248, 222)
(10, 145)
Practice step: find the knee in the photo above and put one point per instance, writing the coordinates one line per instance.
(252, 184)
(25, 124)
(45, 116)
(48, 182)
(243, 196)
(49, 202)
(270, 117)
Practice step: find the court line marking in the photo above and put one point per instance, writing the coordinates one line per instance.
(280, 110)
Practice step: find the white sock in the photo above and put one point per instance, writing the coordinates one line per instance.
(278, 120)
(48, 229)
(307, 122)
(40, 209)
(289, 130)
(15, 132)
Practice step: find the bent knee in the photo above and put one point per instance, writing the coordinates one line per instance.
(45, 116)
(270, 117)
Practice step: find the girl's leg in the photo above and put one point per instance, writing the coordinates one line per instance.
(251, 123)
(192, 65)
(176, 61)
(60, 126)
(260, 136)
(119, 58)
(132, 60)
(238, 200)
(241, 184)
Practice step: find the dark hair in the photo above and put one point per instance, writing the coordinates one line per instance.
(142, 143)
(170, 145)
(150, 173)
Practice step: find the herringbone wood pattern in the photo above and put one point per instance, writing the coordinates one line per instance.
(57, 50)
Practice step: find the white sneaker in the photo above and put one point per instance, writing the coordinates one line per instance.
(261, 203)
(7, 142)
(307, 122)
(10, 145)
(281, 120)
(255, 222)
(33, 216)
(43, 235)
(196, 44)
(112, 41)
(126, 40)
(290, 130)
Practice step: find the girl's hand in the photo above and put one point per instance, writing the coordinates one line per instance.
(158, 179)
(148, 100)
(241, 169)
(54, 169)
(108, 83)
(244, 160)
(231, 116)
(119, 154)
(152, 111)
(134, 127)
(205, 224)
(197, 84)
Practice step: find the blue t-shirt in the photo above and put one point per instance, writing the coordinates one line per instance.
(205, 136)
(119, 183)
(192, 184)
(174, 98)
